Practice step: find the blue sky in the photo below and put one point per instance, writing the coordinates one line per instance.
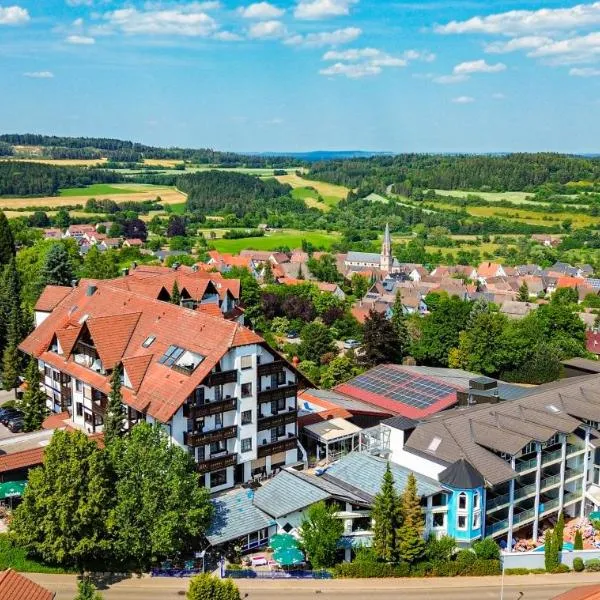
(414, 75)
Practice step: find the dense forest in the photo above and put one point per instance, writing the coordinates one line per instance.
(126, 151)
(34, 179)
(237, 193)
(511, 172)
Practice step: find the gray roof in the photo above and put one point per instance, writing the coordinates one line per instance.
(333, 489)
(285, 494)
(364, 474)
(366, 257)
(585, 364)
(462, 476)
(474, 433)
(235, 516)
(401, 423)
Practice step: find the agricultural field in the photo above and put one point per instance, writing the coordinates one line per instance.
(331, 193)
(516, 197)
(62, 162)
(105, 189)
(291, 238)
(310, 198)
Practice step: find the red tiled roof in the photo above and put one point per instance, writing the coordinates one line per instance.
(210, 308)
(56, 420)
(565, 281)
(111, 335)
(588, 592)
(67, 338)
(324, 415)
(21, 460)
(136, 368)
(14, 586)
(51, 296)
(488, 269)
(593, 342)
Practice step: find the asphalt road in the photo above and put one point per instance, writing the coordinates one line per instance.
(530, 587)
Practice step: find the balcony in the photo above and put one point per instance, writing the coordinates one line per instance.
(191, 411)
(283, 418)
(208, 437)
(221, 378)
(552, 457)
(276, 447)
(217, 463)
(270, 368)
(279, 393)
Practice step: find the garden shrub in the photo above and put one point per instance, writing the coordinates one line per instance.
(517, 571)
(487, 549)
(439, 550)
(561, 568)
(466, 557)
(593, 565)
(482, 567)
(363, 570)
(578, 565)
(421, 569)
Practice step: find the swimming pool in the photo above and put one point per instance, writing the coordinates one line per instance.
(568, 546)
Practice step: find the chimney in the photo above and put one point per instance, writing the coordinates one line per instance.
(175, 266)
(194, 268)
(295, 361)
(91, 289)
(134, 265)
(125, 271)
(73, 282)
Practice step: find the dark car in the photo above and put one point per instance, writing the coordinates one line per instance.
(292, 335)
(15, 425)
(6, 414)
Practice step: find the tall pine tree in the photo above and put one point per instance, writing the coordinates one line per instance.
(34, 399)
(7, 242)
(11, 363)
(175, 294)
(10, 301)
(411, 544)
(57, 268)
(115, 412)
(388, 519)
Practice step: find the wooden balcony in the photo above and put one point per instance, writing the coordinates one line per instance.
(270, 368)
(275, 447)
(191, 411)
(217, 464)
(207, 437)
(221, 378)
(280, 393)
(283, 418)
(99, 402)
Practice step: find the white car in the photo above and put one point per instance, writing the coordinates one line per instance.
(351, 344)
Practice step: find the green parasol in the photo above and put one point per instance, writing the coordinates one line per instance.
(282, 541)
(288, 557)
(12, 489)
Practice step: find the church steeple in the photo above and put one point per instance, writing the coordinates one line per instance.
(386, 251)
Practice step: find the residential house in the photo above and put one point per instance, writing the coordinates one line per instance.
(53, 234)
(14, 586)
(218, 390)
(133, 243)
(517, 310)
(487, 270)
(79, 231)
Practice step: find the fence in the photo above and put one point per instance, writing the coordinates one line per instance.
(535, 560)
(252, 574)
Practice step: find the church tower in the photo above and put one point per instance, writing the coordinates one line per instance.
(386, 259)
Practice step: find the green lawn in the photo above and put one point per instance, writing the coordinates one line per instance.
(14, 557)
(178, 209)
(101, 189)
(291, 238)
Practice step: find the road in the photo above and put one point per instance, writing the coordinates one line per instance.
(529, 587)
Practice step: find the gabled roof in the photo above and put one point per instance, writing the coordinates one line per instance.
(136, 368)
(51, 297)
(111, 335)
(14, 586)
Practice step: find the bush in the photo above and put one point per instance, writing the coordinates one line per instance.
(593, 565)
(482, 567)
(578, 565)
(440, 549)
(487, 549)
(421, 569)
(560, 568)
(466, 557)
(447, 569)
(15, 557)
(364, 570)
(578, 541)
(517, 571)
(207, 587)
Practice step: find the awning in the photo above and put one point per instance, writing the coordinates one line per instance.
(12, 489)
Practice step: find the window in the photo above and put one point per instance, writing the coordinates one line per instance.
(476, 520)
(47, 372)
(439, 519)
(434, 444)
(218, 478)
(199, 396)
(246, 444)
(246, 362)
(246, 390)
(219, 420)
(78, 385)
(278, 405)
(462, 501)
(246, 417)
(476, 501)
(217, 447)
(55, 375)
(171, 355)
(148, 341)
(461, 522)
(79, 409)
(278, 379)
(439, 500)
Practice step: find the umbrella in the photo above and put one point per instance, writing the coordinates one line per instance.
(288, 556)
(282, 541)
(12, 489)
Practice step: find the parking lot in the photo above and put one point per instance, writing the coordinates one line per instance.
(4, 432)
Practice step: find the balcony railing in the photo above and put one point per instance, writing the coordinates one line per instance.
(276, 447)
(191, 411)
(548, 506)
(283, 418)
(552, 456)
(270, 368)
(217, 463)
(279, 393)
(208, 437)
(221, 378)
(526, 465)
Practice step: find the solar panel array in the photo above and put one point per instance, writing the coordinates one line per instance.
(408, 388)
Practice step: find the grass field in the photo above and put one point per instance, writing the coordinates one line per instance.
(101, 189)
(310, 198)
(516, 197)
(331, 193)
(290, 237)
(62, 162)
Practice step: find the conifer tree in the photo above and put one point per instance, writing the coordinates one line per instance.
(115, 411)
(86, 590)
(399, 323)
(175, 294)
(523, 292)
(57, 268)
(388, 519)
(268, 276)
(11, 363)
(559, 532)
(411, 544)
(34, 399)
(7, 242)
(10, 300)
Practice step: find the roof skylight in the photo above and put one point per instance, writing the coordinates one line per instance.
(434, 444)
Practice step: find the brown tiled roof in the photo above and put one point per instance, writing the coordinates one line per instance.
(210, 308)
(587, 592)
(21, 460)
(14, 586)
(136, 368)
(67, 338)
(56, 420)
(111, 335)
(51, 296)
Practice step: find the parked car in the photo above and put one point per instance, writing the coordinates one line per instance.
(16, 424)
(351, 344)
(292, 335)
(6, 414)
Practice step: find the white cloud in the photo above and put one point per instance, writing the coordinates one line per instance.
(353, 71)
(39, 75)
(477, 66)
(498, 96)
(77, 23)
(418, 55)
(463, 100)
(228, 36)
(267, 30)
(581, 49)
(523, 22)
(321, 9)
(326, 38)
(260, 10)
(584, 72)
(449, 79)
(80, 40)
(189, 20)
(520, 43)
(351, 54)
(80, 2)
(13, 15)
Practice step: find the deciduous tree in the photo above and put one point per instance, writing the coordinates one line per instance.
(381, 343)
(320, 533)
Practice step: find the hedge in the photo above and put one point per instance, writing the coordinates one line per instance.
(479, 567)
(593, 565)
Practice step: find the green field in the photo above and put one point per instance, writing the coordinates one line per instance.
(292, 238)
(104, 189)
(178, 209)
(516, 197)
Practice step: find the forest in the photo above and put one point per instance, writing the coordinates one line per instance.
(406, 172)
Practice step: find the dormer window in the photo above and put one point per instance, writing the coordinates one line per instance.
(181, 359)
